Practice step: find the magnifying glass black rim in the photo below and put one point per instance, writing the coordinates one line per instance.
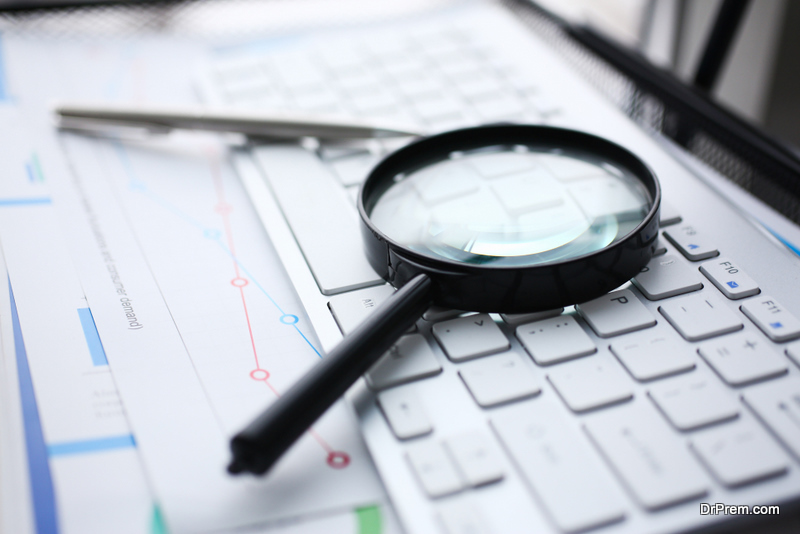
(609, 267)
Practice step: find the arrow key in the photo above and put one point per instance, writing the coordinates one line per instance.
(404, 412)
(470, 337)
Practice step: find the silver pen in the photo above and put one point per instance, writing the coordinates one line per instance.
(253, 123)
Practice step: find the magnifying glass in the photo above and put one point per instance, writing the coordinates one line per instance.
(506, 218)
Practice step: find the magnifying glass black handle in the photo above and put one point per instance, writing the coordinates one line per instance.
(257, 447)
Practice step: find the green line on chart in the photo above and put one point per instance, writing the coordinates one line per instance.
(37, 167)
(157, 524)
(369, 520)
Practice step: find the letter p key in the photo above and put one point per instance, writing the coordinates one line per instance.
(621, 300)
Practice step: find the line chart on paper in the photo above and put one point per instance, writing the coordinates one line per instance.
(223, 235)
(216, 225)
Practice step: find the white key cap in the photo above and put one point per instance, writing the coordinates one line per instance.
(409, 359)
(474, 88)
(777, 404)
(460, 517)
(694, 401)
(350, 309)
(492, 109)
(476, 458)
(772, 318)
(516, 319)
(560, 467)
(743, 358)
(668, 215)
(354, 170)
(660, 249)
(699, 317)
(555, 340)
(604, 195)
(470, 337)
(432, 108)
(667, 276)
(496, 164)
(647, 455)
(434, 470)
(321, 217)
(499, 379)
(793, 352)
(648, 358)
(567, 168)
(729, 278)
(404, 412)
(740, 453)
(616, 313)
(591, 383)
(690, 242)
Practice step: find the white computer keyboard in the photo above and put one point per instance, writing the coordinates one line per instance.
(623, 414)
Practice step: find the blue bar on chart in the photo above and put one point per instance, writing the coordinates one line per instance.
(92, 337)
(30, 201)
(42, 491)
(67, 448)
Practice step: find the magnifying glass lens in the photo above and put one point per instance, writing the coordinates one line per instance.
(512, 205)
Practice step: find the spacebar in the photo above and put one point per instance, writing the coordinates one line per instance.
(321, 217)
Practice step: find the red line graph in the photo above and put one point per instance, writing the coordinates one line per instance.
(335, 459)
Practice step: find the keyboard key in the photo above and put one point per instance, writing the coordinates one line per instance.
(434, 470)
(475, 88)
(793, 352)
(560, 467)
(729, 278)
(404, 412)
(409, 359)
(777, 405)
(418, 87)
(499, 379)
(648, 358)
(555, 340)
(433, 108)
(353, 170)
(321, 217)
(646, 454)
(694, 401)
(591, 383)
(470, 337)
(616, 313)
(493, 109)
(698, 317)
(448, 181)
(604, 195)
(691, 243)
(516, 319)
(743, 358)
(772, 318)
(461, 517)
(568, 168)
(740, 453)
(494, 164)
(350, 309)
(666, 276)
(231, 71)
(476, 458)
(668, 215)
(527, 191)
(373, 100)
